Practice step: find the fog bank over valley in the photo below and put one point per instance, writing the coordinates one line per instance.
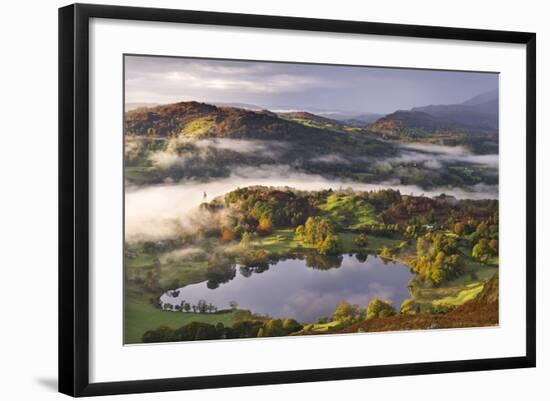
(163, 211)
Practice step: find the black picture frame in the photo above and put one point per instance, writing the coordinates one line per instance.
(74, 200)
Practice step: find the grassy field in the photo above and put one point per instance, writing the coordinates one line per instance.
(348, 211)
(140, 315)
(324, 326)
(282, 242)
(457, 291)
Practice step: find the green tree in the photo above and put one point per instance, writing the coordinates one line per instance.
(272, 328)
(331, 245)
(361, 240)
(299, 233)
(386, 253)
(245, 240)
(480, 250)
(291, 326)
(378, 308)
(345, 310)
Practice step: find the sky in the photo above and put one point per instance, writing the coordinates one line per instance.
(291, 86)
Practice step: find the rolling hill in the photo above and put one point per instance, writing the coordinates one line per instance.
(310, 135)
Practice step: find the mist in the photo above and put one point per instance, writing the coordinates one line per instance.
(181, 150)
(166, 211)
(435, 156)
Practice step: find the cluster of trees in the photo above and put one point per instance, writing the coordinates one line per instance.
(318, 232)
(482, 235)
(437, 258)
(485, 249)
(383, 198)
(201, 307)
(380, 229)
(262, 209)
(256, 259)
(205, 331)
(347, 314)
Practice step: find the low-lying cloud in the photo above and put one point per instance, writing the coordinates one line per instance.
(166, 211)
(435, 156)
(180, 151)
(331, 158)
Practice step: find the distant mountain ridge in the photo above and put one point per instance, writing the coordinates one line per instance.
(473, 123)
(478, 112)
(482, 98)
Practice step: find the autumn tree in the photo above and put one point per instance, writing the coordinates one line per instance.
(482, 229)
(345, 310)
(245, 240)
(227, 234)
(331, 245)
(484, 249)
(265, 226)
(493, 247)
(459, 228)
(378, 308)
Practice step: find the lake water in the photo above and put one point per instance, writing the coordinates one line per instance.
(293, 289)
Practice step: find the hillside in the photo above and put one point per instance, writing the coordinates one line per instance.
(201, 120)
(194, 120)
(482, 311)
(313, 120)
(414, 123)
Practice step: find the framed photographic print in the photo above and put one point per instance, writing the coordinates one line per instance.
(250, 199)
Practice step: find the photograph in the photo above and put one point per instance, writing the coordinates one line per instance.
(270, 199)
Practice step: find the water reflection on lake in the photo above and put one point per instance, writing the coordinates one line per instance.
(303, 289)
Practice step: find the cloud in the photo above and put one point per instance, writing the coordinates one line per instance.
(272, 85)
